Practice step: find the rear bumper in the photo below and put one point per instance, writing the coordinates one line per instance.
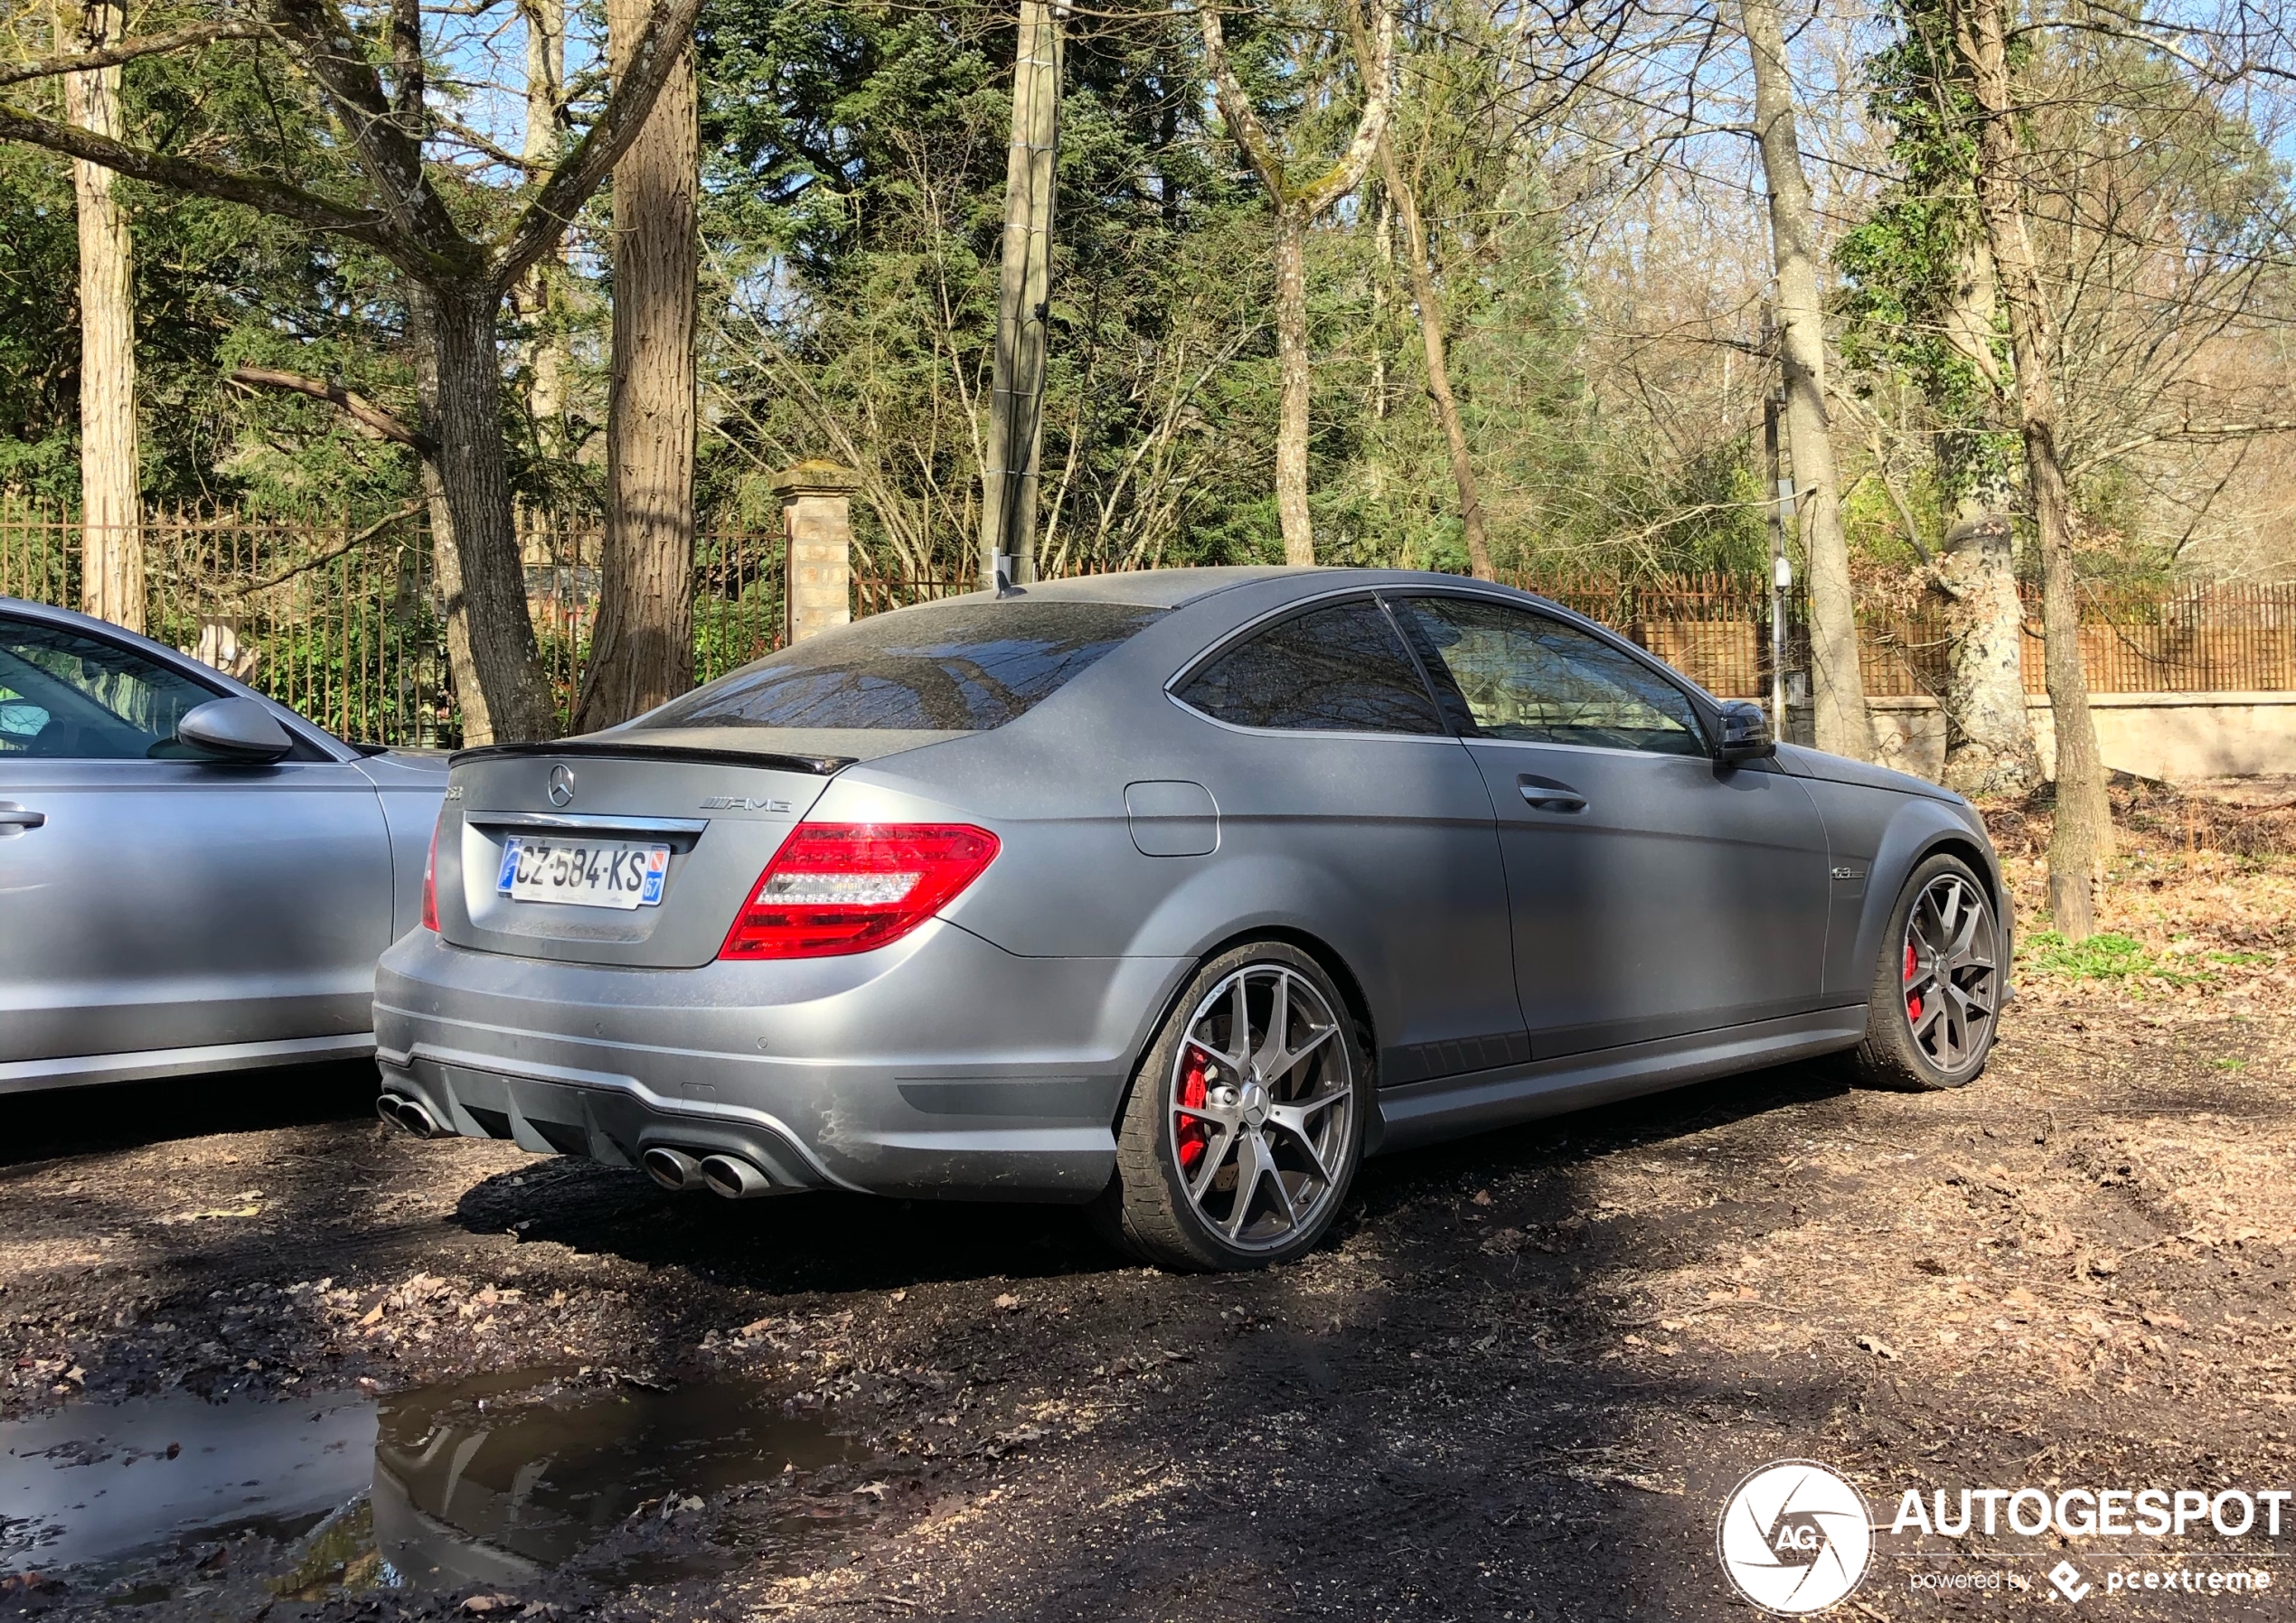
(939, 1066)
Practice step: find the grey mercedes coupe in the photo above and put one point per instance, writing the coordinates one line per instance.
(1177, 893)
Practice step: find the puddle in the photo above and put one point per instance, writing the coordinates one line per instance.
(465, 1494)
(490, 1480)
(94, 1485)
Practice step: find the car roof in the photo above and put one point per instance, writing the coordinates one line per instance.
(1176, 588)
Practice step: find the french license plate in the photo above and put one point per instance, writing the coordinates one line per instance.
(586, 873)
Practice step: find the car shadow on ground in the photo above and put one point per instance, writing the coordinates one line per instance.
(833, 1242)
(56, 1122)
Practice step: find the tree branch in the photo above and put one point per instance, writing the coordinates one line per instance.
(338, 64)
(2188, 431)
(370, 226)
(128, 50)
(584, 169)
(1375, 63)
(349, 543)
(360, 410)
(477, 141)
(1235, 110)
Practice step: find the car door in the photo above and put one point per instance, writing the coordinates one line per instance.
(1334, 778)
(1653, 894)
(151, 901)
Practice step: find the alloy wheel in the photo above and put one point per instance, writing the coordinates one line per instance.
(1260, 1097)
(1951, 984)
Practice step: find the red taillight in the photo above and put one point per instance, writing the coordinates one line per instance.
(847, 888)
(430, 883)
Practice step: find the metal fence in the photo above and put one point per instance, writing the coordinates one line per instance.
(342, 620)
(2187, 639)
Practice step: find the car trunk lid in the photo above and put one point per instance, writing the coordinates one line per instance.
(722, 813)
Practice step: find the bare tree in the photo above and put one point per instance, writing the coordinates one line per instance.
(1297, 204)
(1429, 301)
(111, 503)
(641, 652)
(2082, 835)
(402, 214)
(1839, 692)
(541, 294)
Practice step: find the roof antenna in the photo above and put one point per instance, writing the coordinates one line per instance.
(1004, 587)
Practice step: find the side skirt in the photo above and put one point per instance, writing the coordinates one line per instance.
(1428, 1111)
(28, 1076)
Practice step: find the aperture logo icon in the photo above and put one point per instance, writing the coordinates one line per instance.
(1794, 1538)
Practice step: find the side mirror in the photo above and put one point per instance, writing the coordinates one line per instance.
(1744, 734)
(234, 730)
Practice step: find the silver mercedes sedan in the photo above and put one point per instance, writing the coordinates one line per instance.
(1176, 893)
(191, 877)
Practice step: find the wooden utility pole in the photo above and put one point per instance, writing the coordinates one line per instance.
(1024, 283)
(1837, 694)
(2080, 837)
(1774, 510)
(111, 503)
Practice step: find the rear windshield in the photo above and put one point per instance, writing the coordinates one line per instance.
(948, 668)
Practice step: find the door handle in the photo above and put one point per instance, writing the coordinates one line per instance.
(1547, 795)
(13, 816)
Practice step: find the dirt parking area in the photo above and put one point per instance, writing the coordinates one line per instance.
(1520, 1381)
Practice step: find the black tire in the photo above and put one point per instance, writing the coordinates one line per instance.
(1914, 1040)
(1304, 1121)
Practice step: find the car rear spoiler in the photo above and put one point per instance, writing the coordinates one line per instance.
(820, 767)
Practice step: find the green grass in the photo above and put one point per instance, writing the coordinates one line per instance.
(2106, 957)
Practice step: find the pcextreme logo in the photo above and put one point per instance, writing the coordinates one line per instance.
(1794, 1538)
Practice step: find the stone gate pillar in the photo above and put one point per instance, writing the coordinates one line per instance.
(817, 528)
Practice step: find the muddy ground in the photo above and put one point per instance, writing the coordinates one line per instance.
(1517, 1383)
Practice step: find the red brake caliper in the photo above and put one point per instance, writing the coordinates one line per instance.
(1912, 1005)
(1189, 1133)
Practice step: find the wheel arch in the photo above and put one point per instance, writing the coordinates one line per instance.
(1327, 958)
(1926, 829)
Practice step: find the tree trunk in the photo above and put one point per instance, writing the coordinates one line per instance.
(1989, 733)
(1838, 690)
(1446, 406)
(1296, 207)
(1989, 736)
(503, 665)
(112, 504)
(642, 649)
(2082, 835)
(1292, 421)
(540, 293)
(1024, 282)
(446, 560)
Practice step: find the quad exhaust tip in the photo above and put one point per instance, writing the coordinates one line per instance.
(409, 1115)
(733, 1178)
(672, 1168)
(726, 1175)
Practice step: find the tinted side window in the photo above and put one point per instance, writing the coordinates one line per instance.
(1338, 670)
(946, 668)
(63, 696)
(1527, 677)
